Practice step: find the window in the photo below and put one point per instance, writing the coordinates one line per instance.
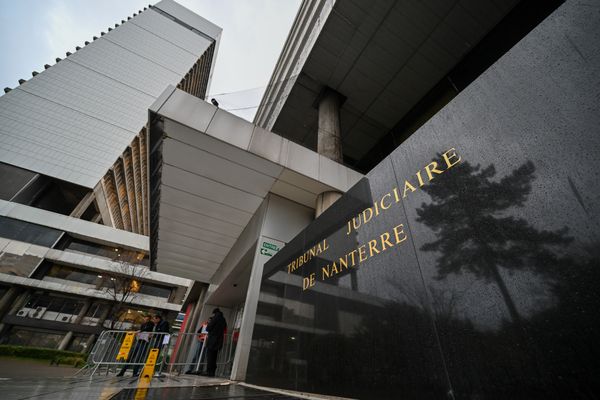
(155, 290)
(73, 274)
(26, 337)
(78, 344)
(69, 243)
(27, 232)
(51, 308)
(95, 313)
(13, 180)
(128, 319)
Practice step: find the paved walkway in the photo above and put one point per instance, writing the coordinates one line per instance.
(25, 368)
(37, 380)
(98, 388)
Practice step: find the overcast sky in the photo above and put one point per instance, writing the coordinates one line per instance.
(35, 32)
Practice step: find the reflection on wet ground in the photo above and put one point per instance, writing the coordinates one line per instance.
(232, 391)
(104, 388)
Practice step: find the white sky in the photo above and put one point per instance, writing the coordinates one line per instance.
(35, 32)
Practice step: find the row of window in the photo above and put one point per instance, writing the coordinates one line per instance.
(27, 232)
(22, 231)
(50, 307)
(114, 253)
(105, 280)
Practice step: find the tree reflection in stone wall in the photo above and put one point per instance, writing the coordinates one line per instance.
(470, 214)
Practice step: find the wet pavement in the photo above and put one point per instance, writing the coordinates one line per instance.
(105, 387)
(28, 379)
(231, 391)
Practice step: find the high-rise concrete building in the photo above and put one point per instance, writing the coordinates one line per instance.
(73, 167)
(462, 264)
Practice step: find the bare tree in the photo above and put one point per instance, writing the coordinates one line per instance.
(122, 285)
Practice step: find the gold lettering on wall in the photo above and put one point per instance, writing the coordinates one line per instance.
(389, 239)
(434, 168)
(307, 256)
(373, 248)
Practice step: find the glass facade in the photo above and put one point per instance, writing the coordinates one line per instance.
(104, 279)
(79, 343)
(82, 246)
(27, 232)
(35, 338)
(95, 313)
(51, 308)
(13, 180)
(75, 275)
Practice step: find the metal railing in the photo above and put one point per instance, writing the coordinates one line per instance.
(187, 353)
(178, 353)
(107, 352)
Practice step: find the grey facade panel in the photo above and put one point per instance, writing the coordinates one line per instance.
(116, 61)
(156, 48)
(91, 93)
(73, 120)
(190, 18)
(35, 135)
(172, 31)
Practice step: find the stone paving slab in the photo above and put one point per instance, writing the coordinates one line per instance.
(84, 388)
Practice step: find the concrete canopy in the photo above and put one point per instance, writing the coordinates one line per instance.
(209, 173)
(383, 56)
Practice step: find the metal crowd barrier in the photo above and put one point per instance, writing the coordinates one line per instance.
(187, 353)
(104, 354)
(179, 353)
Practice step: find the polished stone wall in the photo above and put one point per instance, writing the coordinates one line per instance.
(466, 264)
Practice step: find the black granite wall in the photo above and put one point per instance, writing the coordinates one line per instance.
(476, 277)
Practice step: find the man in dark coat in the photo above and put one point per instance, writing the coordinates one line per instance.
(161, 332)
(214, 342)
(160, 325)
(140, 348)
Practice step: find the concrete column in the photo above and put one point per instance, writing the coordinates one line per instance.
(13, 306)
(7, 300)
(195, 315)
(329, 141)
(242, 350)
(104, 315)
(329, 136)
(86, 306)
(89, 342)
(65, 341)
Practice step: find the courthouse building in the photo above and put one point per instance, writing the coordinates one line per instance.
(413, 211)
(462, 264)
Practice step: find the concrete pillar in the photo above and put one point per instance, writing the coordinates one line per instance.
(192, 325)
(329, 136)
(7, 300)
(329, 141)
(104, 315)
(13, 306)
(86, 306)
(242, 350)
(65, 341)
(90, 341)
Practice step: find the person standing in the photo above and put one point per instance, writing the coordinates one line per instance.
(214, 342)
(140, 349)
(199, 350)
(160, 325)
(160, 338)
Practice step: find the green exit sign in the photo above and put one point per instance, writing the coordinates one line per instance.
(268, 249)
